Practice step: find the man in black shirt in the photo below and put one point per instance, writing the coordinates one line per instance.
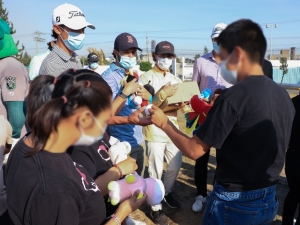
(249, 125)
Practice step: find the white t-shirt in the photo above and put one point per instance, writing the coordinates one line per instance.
(96, 70)
(35, 64)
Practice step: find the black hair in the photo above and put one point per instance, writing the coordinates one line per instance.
(247, 35)
(46, 107)
(114, 55)
(153, 56)
(55, 35)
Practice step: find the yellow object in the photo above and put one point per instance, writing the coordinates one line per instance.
(190, 130)
(130, 179)
(140, 196)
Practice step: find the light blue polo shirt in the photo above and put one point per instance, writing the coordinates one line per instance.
(129, 132)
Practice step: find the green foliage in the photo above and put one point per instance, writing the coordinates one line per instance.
(205, 50)
(177, 60)
(101, 56)
(4, 16)
(283, 67)
(83, 61)
(25, 59)
(145, 66)
(197, 56)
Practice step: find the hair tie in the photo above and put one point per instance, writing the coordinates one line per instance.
(65, 99)
(55, 80)
(88, 84)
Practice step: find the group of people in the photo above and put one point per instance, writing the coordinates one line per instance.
(59, 168)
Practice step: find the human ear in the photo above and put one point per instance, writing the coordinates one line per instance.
(57, 29)
(85, 119)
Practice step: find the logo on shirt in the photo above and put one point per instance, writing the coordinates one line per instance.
(130, 39)
(87, 182)
(101, 150)
(58, 19)
(168, 47)
(75, 13)
(11, 83)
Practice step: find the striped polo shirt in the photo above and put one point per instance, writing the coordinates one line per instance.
(129, 132)
(207, 72)
(58, 61)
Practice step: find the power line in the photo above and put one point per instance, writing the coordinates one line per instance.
(37, 38)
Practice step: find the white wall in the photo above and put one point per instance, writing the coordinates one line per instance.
(291, 63)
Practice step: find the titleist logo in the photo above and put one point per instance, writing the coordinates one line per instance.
(75, 13)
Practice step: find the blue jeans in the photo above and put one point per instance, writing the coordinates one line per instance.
(236, 208)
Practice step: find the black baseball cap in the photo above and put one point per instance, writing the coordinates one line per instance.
(125, 41)
(93, 57)
(165, 47)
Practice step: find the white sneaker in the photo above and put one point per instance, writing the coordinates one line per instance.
(198, 205)
(130, 221)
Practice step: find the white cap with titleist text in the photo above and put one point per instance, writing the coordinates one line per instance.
(218, 29)
(70, 16)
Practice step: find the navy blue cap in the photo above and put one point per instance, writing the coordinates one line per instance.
(165, 47)
(125, 41)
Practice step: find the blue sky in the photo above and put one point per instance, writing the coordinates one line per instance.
(185, 23)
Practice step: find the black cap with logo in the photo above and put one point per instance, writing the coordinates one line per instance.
(93, 57)
(165, 47)
(125, 41)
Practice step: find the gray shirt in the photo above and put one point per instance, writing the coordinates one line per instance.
(59, 61)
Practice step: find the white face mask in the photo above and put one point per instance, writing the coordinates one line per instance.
(87, 140)
(164, 63)
(230, 76)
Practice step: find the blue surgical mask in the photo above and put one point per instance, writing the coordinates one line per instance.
(75, 40)
(87, 140)
(216, 47)
(127, 62)
(230, 76)
(94, 65)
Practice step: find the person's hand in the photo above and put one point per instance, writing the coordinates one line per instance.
(143, 93)
(170, 90)
(214, 99)
(131, 87)
(158, 118)
(128, 166)
(180, 105)
(135, 118)
(133, 203)
(5, 134)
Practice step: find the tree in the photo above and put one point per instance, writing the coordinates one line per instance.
(197, 56)
(145, 66)
(83, 60)
(283, 67)
(4, 16)
(205, 50)
(177, 60)
(25, 59)
(101, 56)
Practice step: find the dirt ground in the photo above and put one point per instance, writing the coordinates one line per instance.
(185, 193)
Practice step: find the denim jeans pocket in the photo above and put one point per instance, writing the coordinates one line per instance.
(236, 216)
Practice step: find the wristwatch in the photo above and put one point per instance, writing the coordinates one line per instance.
(123, 95)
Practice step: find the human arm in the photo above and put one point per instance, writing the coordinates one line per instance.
(5, 137)
(16, 116)
(127, 207)
(134, 118)
(191, 147)
(129, 89)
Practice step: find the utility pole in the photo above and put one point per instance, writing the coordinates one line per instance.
(271, 26)
(147, 42)
(37, 38)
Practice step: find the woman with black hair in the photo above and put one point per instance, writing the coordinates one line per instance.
(44, 185)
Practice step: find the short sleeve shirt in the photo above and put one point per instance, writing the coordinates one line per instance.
(129, 132)
(207, 72)
(250, 127)
(49, 188)
(14, 82)
(58, 61)
(35, 64)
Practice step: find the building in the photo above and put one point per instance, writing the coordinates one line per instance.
(289, 54)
